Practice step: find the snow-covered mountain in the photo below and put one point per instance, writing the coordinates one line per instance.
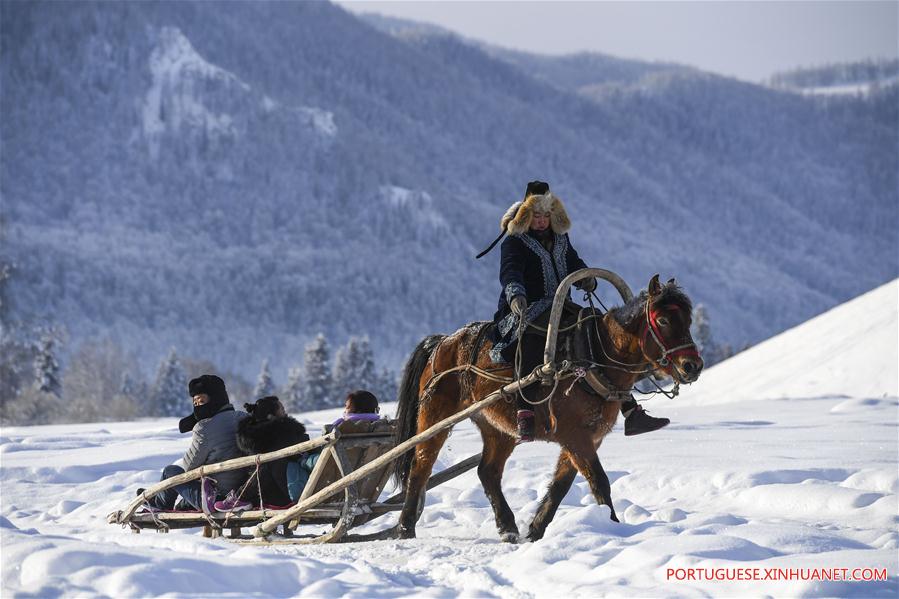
(851, 351)
(780, 462)
(232, 182)
(854, 79)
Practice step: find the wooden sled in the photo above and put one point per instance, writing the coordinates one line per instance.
(343, 453)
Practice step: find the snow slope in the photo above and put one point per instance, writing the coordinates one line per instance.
(782, 457)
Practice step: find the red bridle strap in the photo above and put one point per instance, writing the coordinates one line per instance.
(686, 349)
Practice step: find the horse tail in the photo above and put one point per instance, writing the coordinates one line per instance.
(407, 410)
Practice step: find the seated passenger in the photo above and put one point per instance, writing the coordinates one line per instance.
(361, 406)
(268, 428)
(214, 440)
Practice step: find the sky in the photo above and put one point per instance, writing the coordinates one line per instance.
(747, 40)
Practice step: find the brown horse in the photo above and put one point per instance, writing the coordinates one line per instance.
(650, 332)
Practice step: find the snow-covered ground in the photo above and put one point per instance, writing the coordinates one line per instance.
(784, 457)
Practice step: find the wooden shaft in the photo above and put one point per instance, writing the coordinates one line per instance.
(268, 526)
(441, 477)
(552, 329)
(233, 464)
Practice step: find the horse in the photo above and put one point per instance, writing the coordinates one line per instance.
(651, 332)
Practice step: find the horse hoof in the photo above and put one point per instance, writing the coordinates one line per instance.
(404, 533)
(614, 517)
(534, 536)
(509, 537)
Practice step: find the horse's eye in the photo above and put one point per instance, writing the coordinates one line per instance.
(663, 322)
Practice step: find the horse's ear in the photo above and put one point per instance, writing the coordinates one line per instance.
(655, 287)
(671, 281)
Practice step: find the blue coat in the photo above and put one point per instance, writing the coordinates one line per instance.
(526, 268)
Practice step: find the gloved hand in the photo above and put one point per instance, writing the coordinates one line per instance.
(588, 285)
(518, 305)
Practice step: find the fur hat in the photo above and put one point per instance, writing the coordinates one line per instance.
(211, 385)
(537, 198)
(265, 408)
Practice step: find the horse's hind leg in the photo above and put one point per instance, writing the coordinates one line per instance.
(497, 449)
(558, 488)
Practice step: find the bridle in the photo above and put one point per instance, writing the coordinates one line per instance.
(685, 349)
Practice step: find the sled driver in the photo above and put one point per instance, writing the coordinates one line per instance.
(535, 257)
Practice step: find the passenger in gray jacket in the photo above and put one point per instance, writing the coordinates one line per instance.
(214, 440)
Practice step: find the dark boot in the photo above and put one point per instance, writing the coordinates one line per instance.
(638, 421)
(525, 426)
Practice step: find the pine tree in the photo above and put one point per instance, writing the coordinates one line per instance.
(264, 384)
(702, 331)
(712, 353)
(128, 388)
(367, 376)
(387, 387)
(317, 385)
(354, 368)
(46, 368)
(169, 395)
(292, 394)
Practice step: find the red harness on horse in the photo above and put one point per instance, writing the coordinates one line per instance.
(685, 349)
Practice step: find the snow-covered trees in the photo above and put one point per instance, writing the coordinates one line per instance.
(712, 352)
(46, 367)
(354, 367)
(317, 382)
(101, 381)
(99, 384)
(387, 386)
(169, 396)
(264, 384)
(316, 386)
(292, 394)
(702, 331)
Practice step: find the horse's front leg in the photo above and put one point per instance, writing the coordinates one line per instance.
(586, 460)
(497, 449)
(558, 488)
(425, 455)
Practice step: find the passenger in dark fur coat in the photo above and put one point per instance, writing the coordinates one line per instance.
(269, 428)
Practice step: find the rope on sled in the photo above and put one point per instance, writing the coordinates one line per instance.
(243, 490)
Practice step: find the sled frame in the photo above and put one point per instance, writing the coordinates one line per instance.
(343, 450)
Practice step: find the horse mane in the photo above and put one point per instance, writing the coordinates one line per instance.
(671, 294)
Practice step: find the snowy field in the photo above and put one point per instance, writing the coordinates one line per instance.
(784, 457)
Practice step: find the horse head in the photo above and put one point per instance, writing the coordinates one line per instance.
(665, 338)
